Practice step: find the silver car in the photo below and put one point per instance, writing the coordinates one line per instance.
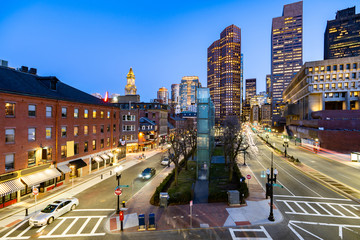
(53, 211)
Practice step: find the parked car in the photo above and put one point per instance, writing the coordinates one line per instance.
(147, 173)
(165, 162)
(53, 211)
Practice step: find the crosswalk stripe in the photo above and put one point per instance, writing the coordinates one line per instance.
(13, 230)
(348, 211)
(23, 232)
(56, 227)
(74, 235)
(96, 225)
(330, 205)
(68, 228)
(312, 208)
(83, 226)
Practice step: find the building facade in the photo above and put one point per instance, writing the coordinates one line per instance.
(187, 90)
(323, 101)
(50, 132)
(342, 35)
(268, 84)
(163, 95)
(224, 74)
(175, 95)
(286, 54)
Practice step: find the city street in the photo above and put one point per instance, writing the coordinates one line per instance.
(310, 209)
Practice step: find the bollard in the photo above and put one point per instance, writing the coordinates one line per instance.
(110, 173)
(123, 203)
(26, 212)
(101, 176)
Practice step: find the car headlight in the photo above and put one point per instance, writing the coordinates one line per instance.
(140, 175)
(147, 176)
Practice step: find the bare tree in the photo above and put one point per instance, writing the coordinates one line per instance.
(176, 151)
(234, 142)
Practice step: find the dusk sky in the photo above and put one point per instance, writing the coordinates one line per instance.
(91, 45)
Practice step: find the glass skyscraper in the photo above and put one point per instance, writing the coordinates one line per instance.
(188, 88)
(286, 55)
(342, 35)
(224, 74)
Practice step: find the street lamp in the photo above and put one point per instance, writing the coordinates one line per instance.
(244, 150)
(286, 144)
(267, 138)
(118, 176)
(271, 176)
(295, 139)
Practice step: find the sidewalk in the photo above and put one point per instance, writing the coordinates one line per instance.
(15, 213)
(255, 211)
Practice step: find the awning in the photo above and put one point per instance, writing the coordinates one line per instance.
(11, 186)
(42, 176)
(64, 168)
(104, 156)
(110, 154)
(79, 163)
(98, 159)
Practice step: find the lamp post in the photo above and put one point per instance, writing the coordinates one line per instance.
(295, 139)
(271, 176)
(286, 144)
(267, 138)
(244, 150)
(118, 177)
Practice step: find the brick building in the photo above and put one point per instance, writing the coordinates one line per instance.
(50, 132)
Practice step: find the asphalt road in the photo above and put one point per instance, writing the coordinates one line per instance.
(332, 168)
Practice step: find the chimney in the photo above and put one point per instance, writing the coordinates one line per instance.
(24, 69)
(33, 71)
(3, 63)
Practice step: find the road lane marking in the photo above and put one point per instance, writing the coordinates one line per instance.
(307, 204)
(262, 230)
(23, 232)
(100, 216)
(322, 198)
(348, 210)
(319, 204)
(302, 209)
(13, 230)
(88, 210)
(74, 235)
(97, 225)
(336, 210)
(70, 226)
(83, 226)
(286, 188)
(56, 227)
(292, 210)
(40, 229)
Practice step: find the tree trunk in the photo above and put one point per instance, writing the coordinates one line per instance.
(231, 170)
(176, 174)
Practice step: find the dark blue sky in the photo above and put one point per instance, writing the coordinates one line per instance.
(92, 44)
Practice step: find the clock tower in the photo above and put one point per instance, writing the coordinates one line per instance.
(130, 88)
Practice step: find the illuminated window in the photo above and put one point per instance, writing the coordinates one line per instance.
(333, 85)
(108, 142)
(94, 129)
(340, 76)
(63, 151)
(322, 68)
(31, 158)
(101, 143)
(48, 131)
(76, 112)
(76, 131)
(108, 114)
(321, 77)
(9, 161)
(346, 85)
(315, 86)
(94, 113)
(31, 134)
(10, 109)
(327, 77)
(86, 130)
(86, 146)
(102, 114)
(327, 86)
(316, 78)
(316, 69)
(347, 75)
(10, 135)
(86, 113)
(310, 69)
(94, 144)
(339, 85)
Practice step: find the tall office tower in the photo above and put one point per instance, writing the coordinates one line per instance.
(224, 74)
(175, 94)
(241, 83)
(188, 88)
(286, 55)
(250, 90)
(342, 35)
(268, 84)
(163, 95)
(130, 88)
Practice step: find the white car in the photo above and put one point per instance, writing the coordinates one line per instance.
(165, 162)
(53, 211)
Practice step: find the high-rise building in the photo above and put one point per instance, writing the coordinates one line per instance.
(286, 55)
(163, 95)
(130, 88)
(175, 94)
(268, 84)
(342, 35)
(188, 88)
(224, 74)
(250, 89)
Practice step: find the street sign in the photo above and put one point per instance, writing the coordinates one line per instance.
(118, 191)
(35, 191)
(278, 185)
(248, 176)
(120, 186)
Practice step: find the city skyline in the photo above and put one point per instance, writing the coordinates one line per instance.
(91, 38)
